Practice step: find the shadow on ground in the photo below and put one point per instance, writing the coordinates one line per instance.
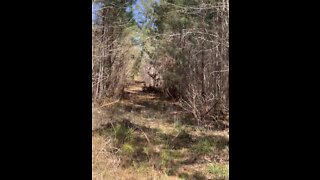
(169, 151)
(141, 145)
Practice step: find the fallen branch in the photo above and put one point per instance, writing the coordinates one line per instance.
(108, 104)
(144, 134)
(175, 136)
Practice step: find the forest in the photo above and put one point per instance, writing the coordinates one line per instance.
(160, 89)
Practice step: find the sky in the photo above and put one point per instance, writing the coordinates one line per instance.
(95, 8)
(137, 12)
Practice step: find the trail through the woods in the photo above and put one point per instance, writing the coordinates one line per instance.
(167, 142)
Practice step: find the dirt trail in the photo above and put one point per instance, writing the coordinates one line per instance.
(175, 145)
(148, 109)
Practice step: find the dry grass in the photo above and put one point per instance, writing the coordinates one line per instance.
(106, 165)
(161, 145)
(97, 117)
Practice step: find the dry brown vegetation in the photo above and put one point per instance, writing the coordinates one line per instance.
(147, 137)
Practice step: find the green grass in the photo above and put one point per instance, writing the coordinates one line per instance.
(123, 134)
(167, 156)
(218, 171)
(127, 149)
(208, 144)
(204, 146)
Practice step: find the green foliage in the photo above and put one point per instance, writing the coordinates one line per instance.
(127, 149)
(218, 170)
(203, 146)
(146, 150)
(142, 166)
(165, 157)
(221, 143)
(209, 16)
(123, 134)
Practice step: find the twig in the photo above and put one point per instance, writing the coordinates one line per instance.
(115, 133)
(108, 104)
(211, 108)
(144, 135)
(175, 136)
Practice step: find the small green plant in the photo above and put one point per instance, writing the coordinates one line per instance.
(165, 157)
(127, 149)
(146, 150)
(123, 134)
(222, 143)
(203, 146)
(143, 167)
(218, 170)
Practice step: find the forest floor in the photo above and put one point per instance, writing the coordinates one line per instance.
(144, 136)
